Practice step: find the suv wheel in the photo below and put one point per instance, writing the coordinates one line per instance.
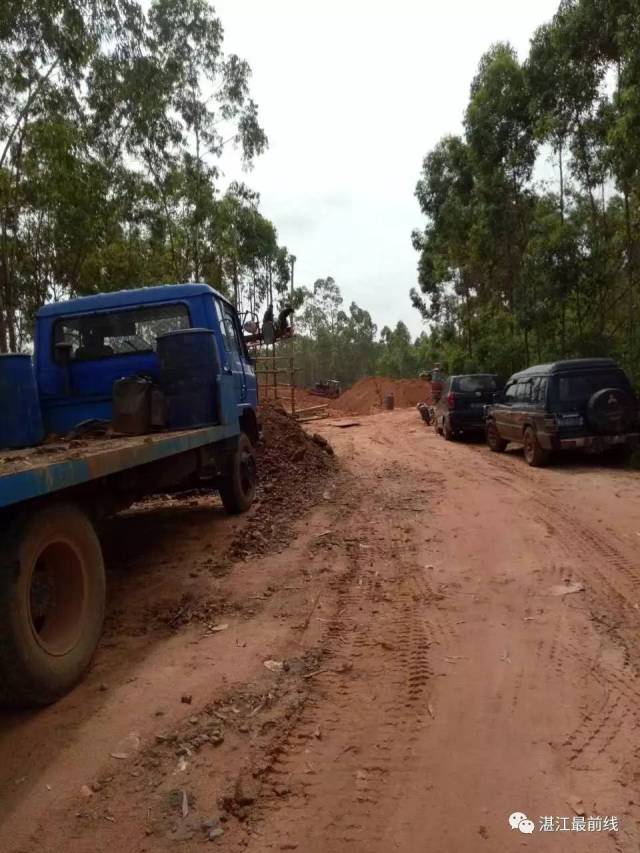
(534, 454)
(448, 433)
(497, 444)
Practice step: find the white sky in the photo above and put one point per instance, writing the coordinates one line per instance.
(352, 94)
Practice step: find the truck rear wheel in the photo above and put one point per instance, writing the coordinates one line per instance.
(52, 598)
(238, 486)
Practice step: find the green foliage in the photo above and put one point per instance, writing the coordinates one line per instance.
(512, 270)
(110, 139)
(332, 343)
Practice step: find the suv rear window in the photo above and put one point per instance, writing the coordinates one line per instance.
(471, 384)
(119, 332)
(575, 389)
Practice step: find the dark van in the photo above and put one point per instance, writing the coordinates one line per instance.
(581, 403)
(461, 408)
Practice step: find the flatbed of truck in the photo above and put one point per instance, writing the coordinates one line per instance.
(36, 471)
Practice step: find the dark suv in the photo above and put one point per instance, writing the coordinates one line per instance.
(583, 403)
(461, 407)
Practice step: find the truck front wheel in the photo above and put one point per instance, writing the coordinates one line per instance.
(238, 485)
(52, 599)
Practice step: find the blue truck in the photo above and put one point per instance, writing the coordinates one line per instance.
(185, 344)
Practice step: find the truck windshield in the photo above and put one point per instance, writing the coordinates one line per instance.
(119, 332)
(573, 390)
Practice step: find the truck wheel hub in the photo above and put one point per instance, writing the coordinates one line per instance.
(56, 598)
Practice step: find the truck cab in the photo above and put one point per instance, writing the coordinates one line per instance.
(100, 358)
(85, 345)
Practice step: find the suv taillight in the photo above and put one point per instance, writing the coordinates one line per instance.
(451, 400)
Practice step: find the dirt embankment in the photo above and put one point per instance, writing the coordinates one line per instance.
(367, 395)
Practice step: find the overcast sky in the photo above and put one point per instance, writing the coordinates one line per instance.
(352, 94)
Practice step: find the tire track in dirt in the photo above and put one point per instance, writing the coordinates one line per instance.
(604, 673)
(623, 578)
(359, 744)
(610, 715)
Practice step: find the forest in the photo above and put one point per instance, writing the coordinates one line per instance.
(530, 250)
(115, 117)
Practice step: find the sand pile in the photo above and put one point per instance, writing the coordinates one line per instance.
(367, 395)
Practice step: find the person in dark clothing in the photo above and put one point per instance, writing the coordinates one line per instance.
(268, 314)
(438, 379)
(282, 326)
(426, 411)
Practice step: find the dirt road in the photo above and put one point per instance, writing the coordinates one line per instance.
(423, 681)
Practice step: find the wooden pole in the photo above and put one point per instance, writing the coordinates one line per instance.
(292, 378)
(273, 345)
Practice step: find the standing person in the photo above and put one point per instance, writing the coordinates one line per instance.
(424, 407)
(438, 378)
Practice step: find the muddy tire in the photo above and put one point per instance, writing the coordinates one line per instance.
(534, 455)
(497, 444)
(238, 486)
(448, 433)
(52, 597)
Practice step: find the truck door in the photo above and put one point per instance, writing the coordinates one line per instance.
(232, 362)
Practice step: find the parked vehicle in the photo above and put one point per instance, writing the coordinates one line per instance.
(184, 342)
(331, 388)
(461, 407)
(582, 403)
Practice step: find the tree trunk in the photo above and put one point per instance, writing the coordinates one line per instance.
(630, 276)
(561, 182)
(196, 240)
(236, 288)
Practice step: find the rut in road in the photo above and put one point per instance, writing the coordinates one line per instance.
(489, 695)
(612, 579)
(370, 702)
(433, 685)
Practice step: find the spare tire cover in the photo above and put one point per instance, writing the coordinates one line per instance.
(611, 411)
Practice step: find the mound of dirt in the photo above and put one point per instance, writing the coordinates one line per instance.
(367, 395)
(287, 453)
(293, 467)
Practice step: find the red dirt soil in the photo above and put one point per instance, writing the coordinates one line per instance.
(401, 677)
(367, 395)
(304, 399)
